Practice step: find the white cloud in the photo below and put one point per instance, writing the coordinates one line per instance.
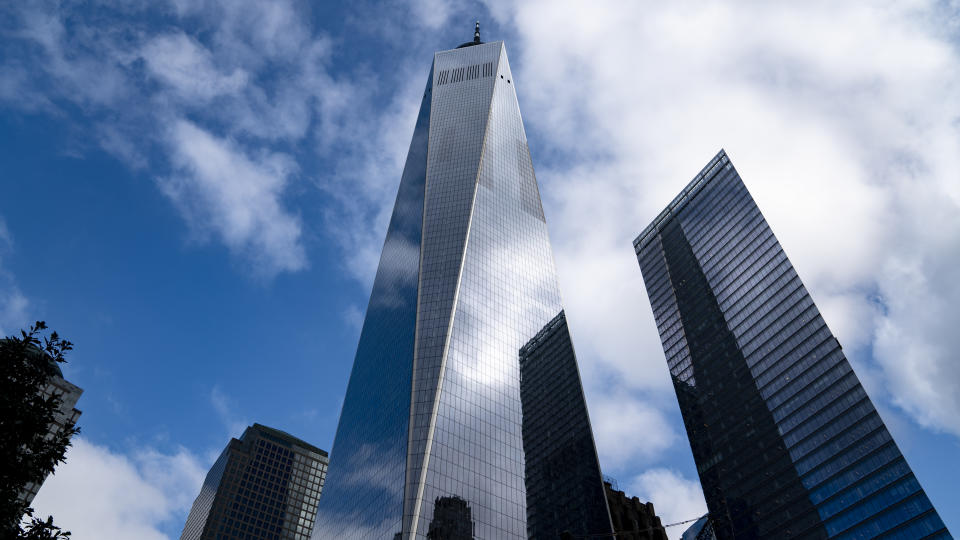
(187, 66)
(431, 13)
(253, 73)
(916, 338)
(220, 189)
(88, 80)
(628, 430)
(99, 493)
(256, 31)
(674, 497)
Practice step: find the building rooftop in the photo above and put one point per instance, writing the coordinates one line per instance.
(701, 179)
(288, 438)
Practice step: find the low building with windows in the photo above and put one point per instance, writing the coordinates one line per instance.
(264, 485)
(66, 416)
(632, 519)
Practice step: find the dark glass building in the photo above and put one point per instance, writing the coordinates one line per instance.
(432, 419)
(787, 443)
(702, 529)
(265, 486)
(565, 492)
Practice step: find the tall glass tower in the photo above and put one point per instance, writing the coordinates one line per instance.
(430, 437)
(787, 443)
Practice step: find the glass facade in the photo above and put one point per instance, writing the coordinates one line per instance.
(564, 491)
(265, 486)
(787, 443)
(432, 419)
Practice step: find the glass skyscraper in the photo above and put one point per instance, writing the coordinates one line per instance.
(430, 437)
(787, 443)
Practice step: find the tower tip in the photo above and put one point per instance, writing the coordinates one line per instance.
(476, 37)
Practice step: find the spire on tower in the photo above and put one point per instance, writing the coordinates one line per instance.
(476, 37)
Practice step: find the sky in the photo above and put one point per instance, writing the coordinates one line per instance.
(196, 192)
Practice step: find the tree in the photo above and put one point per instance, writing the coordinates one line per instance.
(28, 452)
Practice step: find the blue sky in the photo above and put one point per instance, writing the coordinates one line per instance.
(195, 193)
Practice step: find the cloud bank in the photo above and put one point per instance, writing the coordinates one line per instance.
(221, 106)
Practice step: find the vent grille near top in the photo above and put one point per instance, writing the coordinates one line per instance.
(467, 73)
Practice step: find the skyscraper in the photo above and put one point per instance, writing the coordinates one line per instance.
(264, 485)
(787, 443)
(432, 418)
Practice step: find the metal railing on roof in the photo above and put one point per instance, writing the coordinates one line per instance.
(693, 187)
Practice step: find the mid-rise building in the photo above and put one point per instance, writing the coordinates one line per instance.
(265, 486)
(66, 415)
(787, 443)
(452, 520)
(432, 420)
(633, 519)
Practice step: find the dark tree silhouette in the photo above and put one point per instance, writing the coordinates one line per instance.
(28, 453)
